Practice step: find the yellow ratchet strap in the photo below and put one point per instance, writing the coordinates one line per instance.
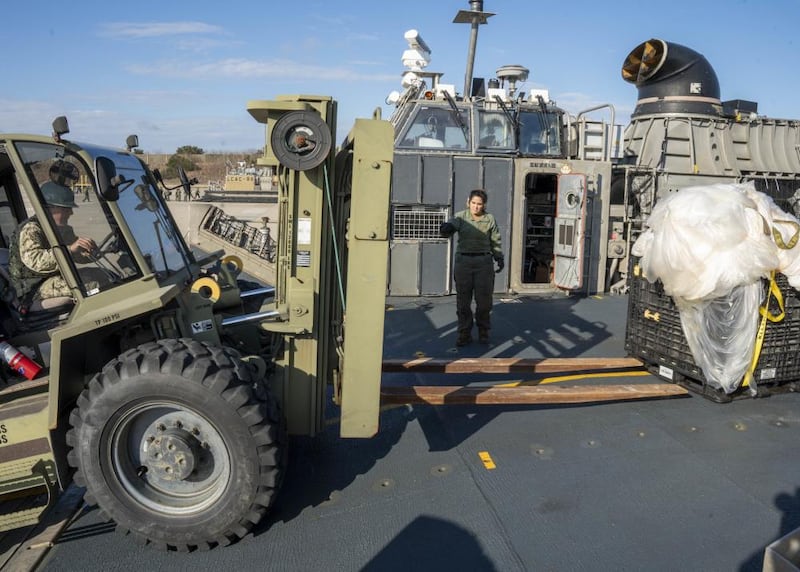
(776, 235)
(773, 290)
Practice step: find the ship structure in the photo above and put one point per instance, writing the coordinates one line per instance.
(571, 192)
(547, 174)
(682, 134)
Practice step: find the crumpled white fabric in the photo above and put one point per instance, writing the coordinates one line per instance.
(710, 246)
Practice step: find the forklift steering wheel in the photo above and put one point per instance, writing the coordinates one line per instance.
(108, 244)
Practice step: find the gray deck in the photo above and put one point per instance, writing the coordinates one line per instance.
(677, 484)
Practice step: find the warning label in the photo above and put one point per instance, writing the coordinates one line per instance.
(201, 326)
(303, 258)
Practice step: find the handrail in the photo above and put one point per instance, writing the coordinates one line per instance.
(606, 139)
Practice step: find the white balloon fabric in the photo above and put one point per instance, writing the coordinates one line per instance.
(710, 246)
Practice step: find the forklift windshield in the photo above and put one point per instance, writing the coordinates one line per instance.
(74, 210)
(64, 186)
(146, 215)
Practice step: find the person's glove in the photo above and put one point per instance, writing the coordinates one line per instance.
(500, 265)
(447, 229)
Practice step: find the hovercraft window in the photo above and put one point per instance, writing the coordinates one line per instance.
(437, 128)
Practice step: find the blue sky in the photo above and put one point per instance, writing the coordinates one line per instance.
(181, 73)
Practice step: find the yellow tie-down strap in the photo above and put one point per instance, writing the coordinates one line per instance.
(772, 291)
(778, 238)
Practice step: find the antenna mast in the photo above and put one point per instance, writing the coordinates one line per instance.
(474, 16)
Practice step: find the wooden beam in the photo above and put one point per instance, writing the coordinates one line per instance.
(508, 365)
(524, 395)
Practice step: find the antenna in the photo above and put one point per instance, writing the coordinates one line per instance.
(512, 74)
(475, 16)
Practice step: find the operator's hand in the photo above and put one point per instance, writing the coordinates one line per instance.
(447, 229)
(500, 265)
(85, 246)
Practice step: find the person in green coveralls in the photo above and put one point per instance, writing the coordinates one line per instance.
(478, 245)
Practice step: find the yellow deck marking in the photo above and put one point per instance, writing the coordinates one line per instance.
(559, 378)
(486, 458)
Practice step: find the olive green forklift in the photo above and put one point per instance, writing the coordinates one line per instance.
(168, 383)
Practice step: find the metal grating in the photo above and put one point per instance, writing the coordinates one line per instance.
(417, 223)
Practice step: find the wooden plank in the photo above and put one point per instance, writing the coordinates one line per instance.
(508, 365)
(523, 395)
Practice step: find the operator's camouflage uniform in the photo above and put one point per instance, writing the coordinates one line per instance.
(32, 265)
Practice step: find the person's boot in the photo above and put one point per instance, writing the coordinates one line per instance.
(463, 339)
(483, 336)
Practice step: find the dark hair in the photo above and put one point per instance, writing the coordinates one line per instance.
(479, 193)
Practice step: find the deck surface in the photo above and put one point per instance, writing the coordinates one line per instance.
(662, 484)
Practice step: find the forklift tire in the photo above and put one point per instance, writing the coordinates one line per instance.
(173, 443)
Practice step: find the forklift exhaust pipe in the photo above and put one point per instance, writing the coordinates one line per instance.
(671, 79)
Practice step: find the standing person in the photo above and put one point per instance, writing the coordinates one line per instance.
(478, 244)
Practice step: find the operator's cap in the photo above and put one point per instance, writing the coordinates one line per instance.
(58, 195)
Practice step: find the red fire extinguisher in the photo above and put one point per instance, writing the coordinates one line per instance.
(18, 361)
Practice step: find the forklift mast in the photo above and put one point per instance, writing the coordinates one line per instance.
(331, 267)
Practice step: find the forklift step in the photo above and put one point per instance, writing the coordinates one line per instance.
(21, 493)
(23, 517)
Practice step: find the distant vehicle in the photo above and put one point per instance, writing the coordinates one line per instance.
(243, 178)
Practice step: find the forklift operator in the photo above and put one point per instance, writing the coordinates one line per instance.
(32, 265)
